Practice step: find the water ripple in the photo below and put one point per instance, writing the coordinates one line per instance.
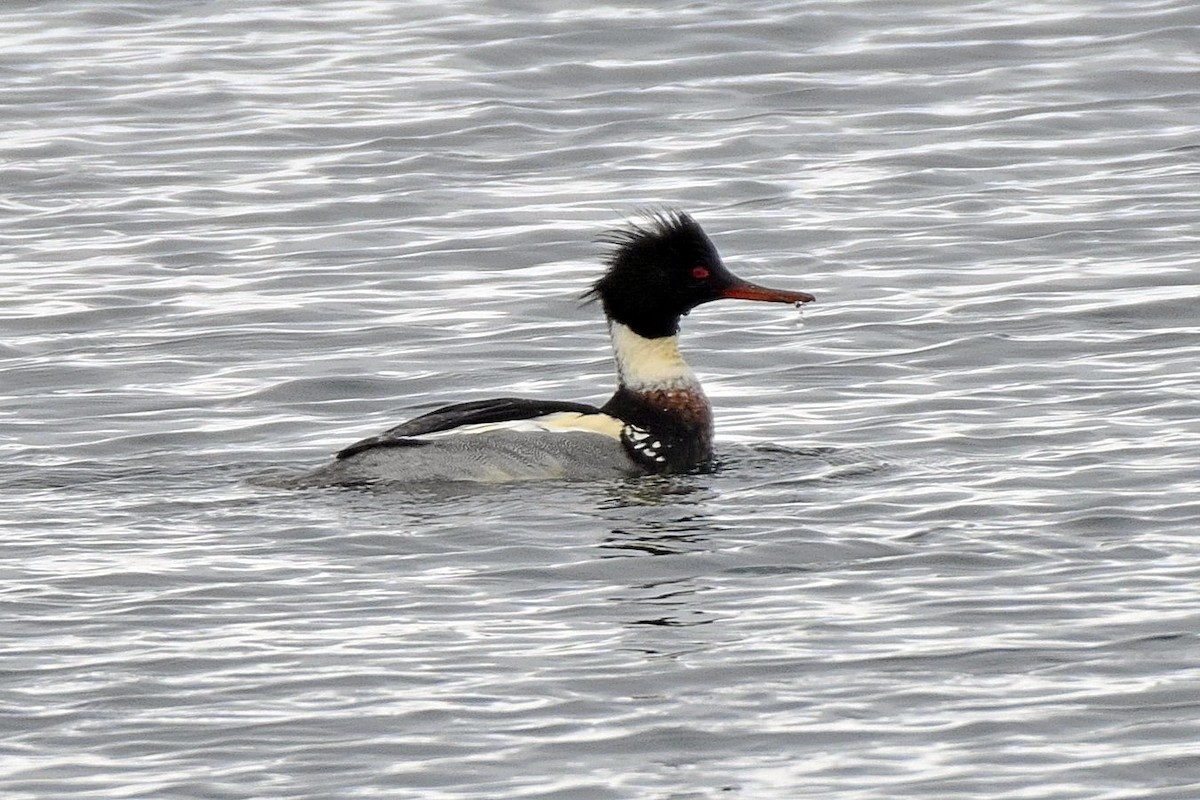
(949, 550)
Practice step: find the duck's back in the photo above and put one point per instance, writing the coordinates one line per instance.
(499, 455)
(492, 440)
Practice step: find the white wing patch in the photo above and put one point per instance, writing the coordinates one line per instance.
(645, 445)
(558, 422)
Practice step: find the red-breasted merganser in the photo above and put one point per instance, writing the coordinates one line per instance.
(658, 421)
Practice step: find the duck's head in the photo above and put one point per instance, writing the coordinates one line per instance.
(662, 269)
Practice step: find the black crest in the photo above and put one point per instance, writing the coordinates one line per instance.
(658, 270)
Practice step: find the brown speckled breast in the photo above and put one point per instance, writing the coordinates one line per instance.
(679, 422)
(689, 406)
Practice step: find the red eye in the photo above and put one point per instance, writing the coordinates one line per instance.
(700, 273)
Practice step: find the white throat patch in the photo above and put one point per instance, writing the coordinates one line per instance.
(647, 364)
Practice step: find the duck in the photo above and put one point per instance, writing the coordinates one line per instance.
(658, 420)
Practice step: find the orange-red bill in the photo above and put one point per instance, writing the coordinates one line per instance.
(744, 290)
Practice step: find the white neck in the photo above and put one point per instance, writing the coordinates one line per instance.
(648, 364)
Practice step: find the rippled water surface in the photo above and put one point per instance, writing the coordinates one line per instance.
(952, 550)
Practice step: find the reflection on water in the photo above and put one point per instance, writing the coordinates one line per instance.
(671, 604)
(662, 537)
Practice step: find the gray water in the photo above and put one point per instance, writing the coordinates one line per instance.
(952, 549)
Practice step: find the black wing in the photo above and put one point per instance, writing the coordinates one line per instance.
(477, 412)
